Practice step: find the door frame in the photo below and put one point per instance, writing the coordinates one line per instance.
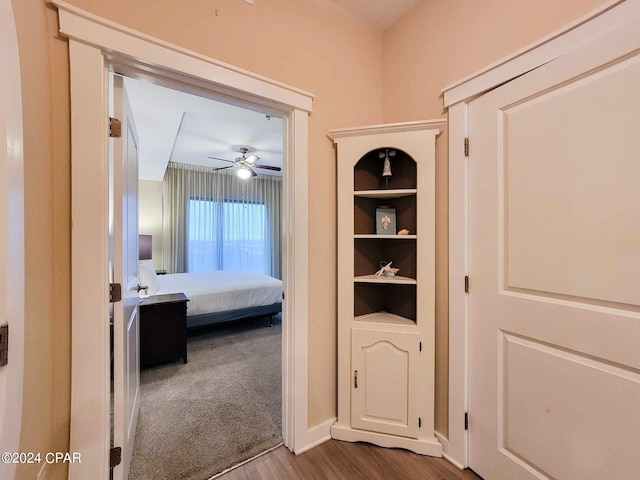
(96, 46)
(457, 97)
(12, 296)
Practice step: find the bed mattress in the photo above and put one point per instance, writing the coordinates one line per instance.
(222, 290)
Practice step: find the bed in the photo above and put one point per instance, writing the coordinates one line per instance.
(218, 296)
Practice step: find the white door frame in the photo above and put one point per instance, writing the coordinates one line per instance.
(456, 98)
(12, 290)
(95, 46)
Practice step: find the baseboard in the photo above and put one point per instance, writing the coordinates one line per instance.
(445, 451)
(423, 445)
(315, 436)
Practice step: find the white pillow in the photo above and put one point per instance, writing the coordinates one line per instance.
(148, 276)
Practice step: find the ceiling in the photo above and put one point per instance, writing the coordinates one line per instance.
(179, 127)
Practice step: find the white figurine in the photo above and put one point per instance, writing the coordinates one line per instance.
(387, 270)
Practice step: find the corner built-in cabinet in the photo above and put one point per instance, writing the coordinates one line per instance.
(386, 324)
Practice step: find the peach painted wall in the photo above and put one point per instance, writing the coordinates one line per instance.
(434, 44)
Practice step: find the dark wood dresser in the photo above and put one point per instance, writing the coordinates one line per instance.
(163, 329)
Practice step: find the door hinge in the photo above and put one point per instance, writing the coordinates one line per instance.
(115, 127)
(420, 346)
(419, 422)
(466, 284)
(355, 379)
(115, 292)
(4, 344)
(115, 456)
(466, 146)
(466, 420)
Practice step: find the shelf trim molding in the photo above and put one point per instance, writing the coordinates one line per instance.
(436, 124)
(398, 280)
(384, 237)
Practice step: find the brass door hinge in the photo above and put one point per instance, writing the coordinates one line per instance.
(466, 146)
(115, 127)
(115, 456)
(4, 344)
(115, 292)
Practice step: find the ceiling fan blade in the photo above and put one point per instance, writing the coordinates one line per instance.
(251, 159)
(253, 173)
(223, 159)
(224, 168)
(268, 167)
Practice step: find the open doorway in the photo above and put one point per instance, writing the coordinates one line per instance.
(95, 47)
(213, 398)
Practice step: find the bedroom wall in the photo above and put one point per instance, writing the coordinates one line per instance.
(434, 44)
(150, 218)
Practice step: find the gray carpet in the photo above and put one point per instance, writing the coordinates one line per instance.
(221, 408)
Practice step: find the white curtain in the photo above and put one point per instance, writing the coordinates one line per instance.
(214, 220)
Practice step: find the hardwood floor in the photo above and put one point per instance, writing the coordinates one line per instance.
(336, 460)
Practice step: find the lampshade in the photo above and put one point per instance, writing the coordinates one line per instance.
(145, 247)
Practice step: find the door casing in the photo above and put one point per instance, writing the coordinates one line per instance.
(97, 46)
(456, 99)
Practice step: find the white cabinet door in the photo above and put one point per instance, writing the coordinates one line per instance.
(554, 258)
(385, 385)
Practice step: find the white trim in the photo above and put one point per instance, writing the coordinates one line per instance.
(607, 18)
(156, 53)
(12, 293)
(315, 436)
(445, 451)
(387, 128)
(568, 38)
(95, 45)
(424, 445)
(458, 269)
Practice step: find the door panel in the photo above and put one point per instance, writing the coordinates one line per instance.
(554, 364)
(126, 365)
(384, 395)
(564, 175)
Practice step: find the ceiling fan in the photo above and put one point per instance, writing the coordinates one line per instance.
(246, 164)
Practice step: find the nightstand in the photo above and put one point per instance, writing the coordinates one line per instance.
(163, 329)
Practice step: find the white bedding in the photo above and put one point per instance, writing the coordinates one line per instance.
(222, 290)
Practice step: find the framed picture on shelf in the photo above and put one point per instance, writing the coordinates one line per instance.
(385, 220)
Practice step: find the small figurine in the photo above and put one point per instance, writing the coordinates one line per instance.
(386, 221)
(386, 166)
(404, 231)
(387, 270)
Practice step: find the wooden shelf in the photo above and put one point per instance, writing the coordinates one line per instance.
(397, 193)
(386, 237)
(384, 318)
(398, 279)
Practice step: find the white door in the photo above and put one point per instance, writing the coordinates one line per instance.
(554, 269)
(126, 364)
(386, 385)
(11, 241)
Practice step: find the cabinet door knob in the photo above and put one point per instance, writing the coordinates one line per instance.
(355, 378)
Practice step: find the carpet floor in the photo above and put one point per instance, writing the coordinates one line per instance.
(218, 410)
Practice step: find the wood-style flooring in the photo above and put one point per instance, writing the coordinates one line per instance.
(336, 460)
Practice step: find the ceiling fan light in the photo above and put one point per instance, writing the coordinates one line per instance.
(244, 172)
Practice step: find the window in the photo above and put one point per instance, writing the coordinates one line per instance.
(227, 235)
